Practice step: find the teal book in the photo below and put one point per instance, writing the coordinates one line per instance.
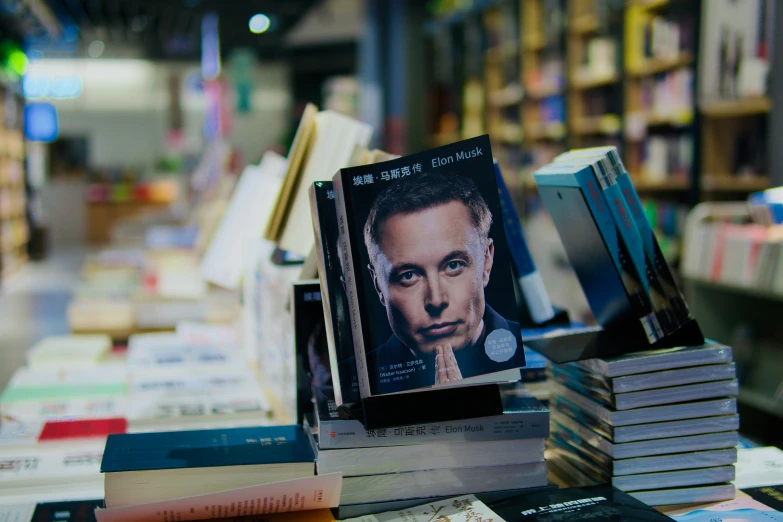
(206, 448)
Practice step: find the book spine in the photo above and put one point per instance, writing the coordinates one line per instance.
(321, 251)
(647, 273)
(341, 434)
(533, 289)
(638, 297)
(653, 249)
(350, 286)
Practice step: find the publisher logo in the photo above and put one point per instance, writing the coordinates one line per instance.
(332, 434)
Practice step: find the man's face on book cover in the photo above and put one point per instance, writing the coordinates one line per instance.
(430, 275)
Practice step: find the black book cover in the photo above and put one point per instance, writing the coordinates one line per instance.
(771, 496)
(431, 288)
(312, 355)
(330, 271)
(75, 511)
(604, 503)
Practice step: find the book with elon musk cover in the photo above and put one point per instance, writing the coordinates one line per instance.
(428, 271)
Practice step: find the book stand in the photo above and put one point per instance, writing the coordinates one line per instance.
(438, 405)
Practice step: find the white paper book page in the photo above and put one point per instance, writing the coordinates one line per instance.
(460, 509)
(305, 494)
(16, 512)
(243, 221)
(759, 467)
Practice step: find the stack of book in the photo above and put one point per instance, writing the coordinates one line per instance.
(177, 382)
(661, 425)
(417, 293)
(144, 468)
(392, 468)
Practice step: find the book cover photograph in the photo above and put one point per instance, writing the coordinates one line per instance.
(429, 282)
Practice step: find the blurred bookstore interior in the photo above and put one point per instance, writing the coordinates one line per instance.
(160, 168)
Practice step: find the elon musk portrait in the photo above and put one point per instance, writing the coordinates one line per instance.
(431, 258)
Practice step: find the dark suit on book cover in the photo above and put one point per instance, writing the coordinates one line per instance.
(394, 352)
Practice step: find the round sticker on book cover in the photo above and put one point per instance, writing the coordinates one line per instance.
(501, 345)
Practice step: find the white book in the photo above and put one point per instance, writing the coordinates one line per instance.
(17, 512)
(167, 350)
(51, 465)
(353, 462)
(69, 350)
(153, 409)
(243, 222)
(441, 482)
(759, 467)
(336, 137)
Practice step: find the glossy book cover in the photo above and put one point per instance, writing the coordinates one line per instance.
(430, 287)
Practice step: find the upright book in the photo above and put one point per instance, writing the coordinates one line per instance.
(331, 275)
(428, 271)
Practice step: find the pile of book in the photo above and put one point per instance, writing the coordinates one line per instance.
(180, 383)
(661, 425)
(398, 467)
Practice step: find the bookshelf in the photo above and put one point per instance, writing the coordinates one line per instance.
(543, 108)
(595, 77)
(14, 228)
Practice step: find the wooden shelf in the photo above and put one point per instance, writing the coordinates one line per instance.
(443, 139)
(584, 24)
(585, 83)
(505, 97)
(650, 5)
(658, 65)
(534, 42)
(735, 108)
(729, 183)
(544, 131)
(607, 124)
(536, 95)
(669, 185)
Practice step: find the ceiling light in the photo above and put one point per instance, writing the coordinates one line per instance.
(259, 23)
(95, 49)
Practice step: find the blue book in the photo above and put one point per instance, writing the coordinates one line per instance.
(532, 285)
(206, 448)
(583, 178)
(141, 468)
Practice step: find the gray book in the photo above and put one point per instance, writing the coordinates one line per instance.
(657, 360)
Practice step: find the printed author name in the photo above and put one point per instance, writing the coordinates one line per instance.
(459, 156)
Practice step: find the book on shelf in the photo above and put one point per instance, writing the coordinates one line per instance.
(143, 468)
(523, 418)
(428, 306)
(324, 143)
(50, 465)
(330, 272)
